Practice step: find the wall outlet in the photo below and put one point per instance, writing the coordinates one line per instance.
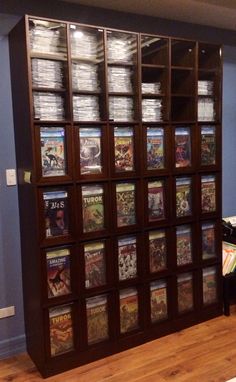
(7, 312)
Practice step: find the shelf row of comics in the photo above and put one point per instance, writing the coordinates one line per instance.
(53, 149)
(121, 108)
(93, 201)
(127, 250)
(98, 313)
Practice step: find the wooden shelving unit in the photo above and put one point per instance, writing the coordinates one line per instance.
(119, 173)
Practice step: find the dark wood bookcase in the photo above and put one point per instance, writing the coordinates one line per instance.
(118, 145)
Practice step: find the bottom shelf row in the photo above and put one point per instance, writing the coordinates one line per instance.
(127, 311)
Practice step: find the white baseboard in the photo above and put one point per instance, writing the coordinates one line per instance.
(12, 346)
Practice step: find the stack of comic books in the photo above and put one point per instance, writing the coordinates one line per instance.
(48, 106)
(47, 73)
(86, 108)
(84, 44)
(152, 110)
(119, 79)
(85, 77)
(118, 48)
(206, 109)
(151, 87)
(45, 37)
(121, 108)
(205, 87)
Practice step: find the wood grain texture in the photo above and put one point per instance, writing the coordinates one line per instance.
(204, 352)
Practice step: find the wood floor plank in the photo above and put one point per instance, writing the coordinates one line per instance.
(202, 353)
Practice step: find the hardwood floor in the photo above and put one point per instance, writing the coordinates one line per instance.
(202, 353)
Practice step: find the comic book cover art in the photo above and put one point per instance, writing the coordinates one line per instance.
(125, 204)
(156, 209)
(185, 293)
(93, 208)
(56, 213)
(127, 258)
(90, 151)
(209, 285)
(53, 159)
(208, 193)
(124, 149)
(157, 251)
(182, 147)
(208, 145)
(58, 272)
(158, 296)
(95, 265)
(183, 197)
(61, 330)
(208, 241)
(155, 148)
(183, 245)
(97, 319)
(128, 310)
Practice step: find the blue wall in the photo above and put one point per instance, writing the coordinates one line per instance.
(229, 131)
(12, 329)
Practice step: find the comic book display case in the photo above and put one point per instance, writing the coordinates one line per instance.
(118, 144)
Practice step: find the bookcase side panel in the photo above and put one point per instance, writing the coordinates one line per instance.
(26, 191)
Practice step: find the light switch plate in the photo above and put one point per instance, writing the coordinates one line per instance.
(11, 177)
